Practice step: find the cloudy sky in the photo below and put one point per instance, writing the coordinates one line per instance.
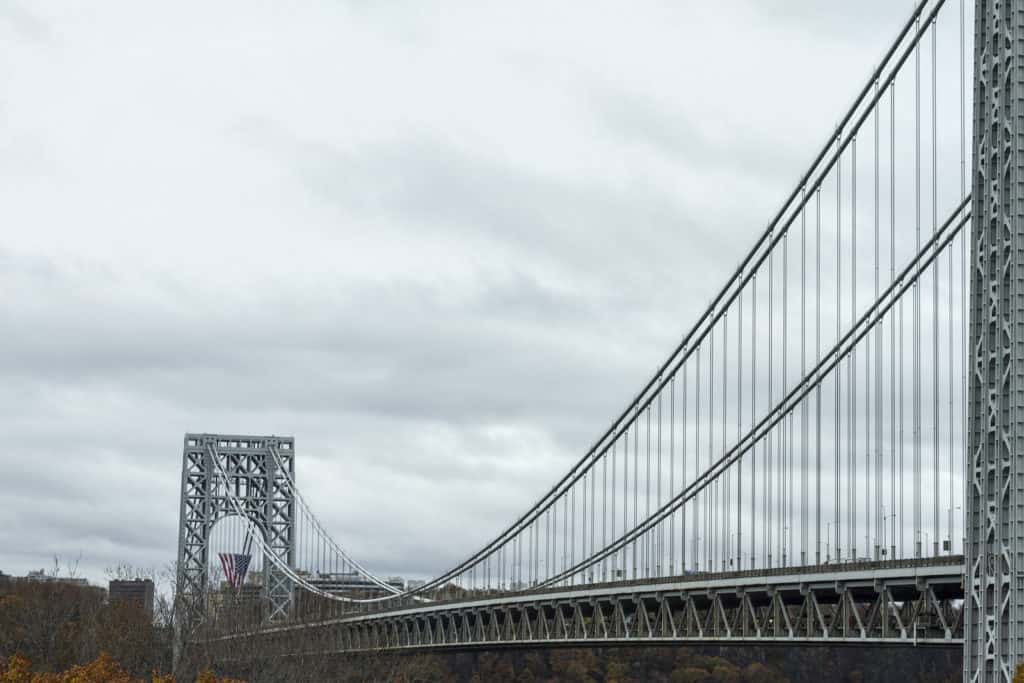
(440, 245)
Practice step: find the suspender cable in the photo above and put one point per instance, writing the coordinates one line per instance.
(671, 476)
(722, 532)
(875, 313)
(784, 444)
(851, 368)
(685, 438)
(636, 490)
(803, 371)
(916, 355)
(935, 303)
(769, 471)
(709, 516)
(817, 392)
(878, 491)
(893, 483)
(739, 432)
(753, 416)
(839, 332)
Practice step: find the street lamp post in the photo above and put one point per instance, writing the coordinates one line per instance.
(885, 530)
(949, 541)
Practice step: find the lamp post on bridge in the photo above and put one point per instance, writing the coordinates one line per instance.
(949, 541)
(892, 548)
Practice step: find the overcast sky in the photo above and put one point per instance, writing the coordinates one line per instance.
(440, 245)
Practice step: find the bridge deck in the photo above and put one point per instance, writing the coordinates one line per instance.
(909, 602)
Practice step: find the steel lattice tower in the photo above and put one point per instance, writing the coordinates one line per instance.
(994, 591)
(258, 486)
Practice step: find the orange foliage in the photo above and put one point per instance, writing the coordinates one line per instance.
(101, 670)
(19, 670)
(208, 677)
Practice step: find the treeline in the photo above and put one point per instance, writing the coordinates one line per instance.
(57, 625)
(783, 663)
(103, 669)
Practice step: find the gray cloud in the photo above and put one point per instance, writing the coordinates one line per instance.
(442, 252)
(23, 22)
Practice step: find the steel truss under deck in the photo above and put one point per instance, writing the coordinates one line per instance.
(908, 603)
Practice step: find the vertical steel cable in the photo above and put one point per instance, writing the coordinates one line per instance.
(660, 544)
(584, 522)
(636, 486)
(554, 538)
(785, 445)
(672, 475)
(572, 533)
(739, 434)
(935, 299)
(699, 500)
(817, 391)
(604, 511)
(952, 390)
(892, 323)
(851, 367)
(709, 557)
(686, 437)
(583, 518)
(646, 548)
(839, 332)
(902, 441)
(878, 489)
(723, 529)
(547, 542)
(660, 527)
(593, 514)
(565, 531)
(529, 554)
(963, 279)
(753, 417)
(625, 498)
(768, 482)
(803, 373)
(614, 495)
(916, 358)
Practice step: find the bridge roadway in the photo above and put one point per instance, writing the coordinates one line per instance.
(904, 602)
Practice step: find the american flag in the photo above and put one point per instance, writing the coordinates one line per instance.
(235, 567)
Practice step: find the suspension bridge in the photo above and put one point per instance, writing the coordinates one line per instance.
(825, 457)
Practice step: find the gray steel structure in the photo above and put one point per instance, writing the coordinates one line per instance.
(914, 602)
(211, 465)
(994, 637)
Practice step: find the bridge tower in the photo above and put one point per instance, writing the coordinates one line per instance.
(994, 556)
(261, 489)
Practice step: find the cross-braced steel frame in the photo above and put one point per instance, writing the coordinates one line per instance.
(910, 603)
(994, 638)
(220, 475)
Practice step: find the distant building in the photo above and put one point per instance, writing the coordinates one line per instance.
(353, 584)
(40, 576)
(138, 592)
